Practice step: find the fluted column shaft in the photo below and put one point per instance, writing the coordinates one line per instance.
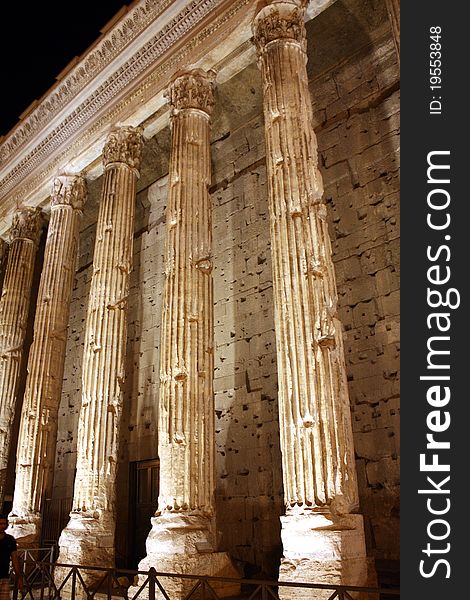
(183, 535)
(103, 369)
(320, 534)
(316, 434)
(3, 260)
(14, 308)
(38, 426)
(105, 343)
(186, 400)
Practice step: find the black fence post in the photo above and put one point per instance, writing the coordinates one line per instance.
(203, 595)
(42, 580)
(152, 577)
(110, 584)
(74, 581)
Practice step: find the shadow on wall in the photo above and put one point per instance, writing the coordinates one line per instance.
(139, 437)
(249, 480)
(131, 393)
(354, 82)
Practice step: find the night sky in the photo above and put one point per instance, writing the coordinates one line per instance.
(39, 39)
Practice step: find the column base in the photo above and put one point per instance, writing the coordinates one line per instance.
(185, 544)
(322, 548)
(88, 540)
(25, 529)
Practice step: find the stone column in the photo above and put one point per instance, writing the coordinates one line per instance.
(183, 536)
(3, 260)
(14, 308)
(88, 539)
(393, 8)
(38, 426)
(323, 538)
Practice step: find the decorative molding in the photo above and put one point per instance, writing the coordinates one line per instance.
(281, 19)
(192, 89)
(106, 50)
(128, 69)
(150, 86)
(124, 145)
(121, 79)
(69, 190)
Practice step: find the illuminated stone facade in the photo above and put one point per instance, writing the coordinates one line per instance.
(232, 349)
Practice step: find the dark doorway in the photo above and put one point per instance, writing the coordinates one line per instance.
(143, 501)
(55, 516)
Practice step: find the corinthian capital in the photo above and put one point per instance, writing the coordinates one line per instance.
(191, 89)
(27, 224)
(280, 20)
(124, 145)
(69, 190)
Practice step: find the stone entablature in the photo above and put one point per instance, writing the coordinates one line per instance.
(120, 79)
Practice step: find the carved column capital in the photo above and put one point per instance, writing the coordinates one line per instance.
(69, 190)
(27, 224)
(191, 89)
(124, 145)
(280, 20)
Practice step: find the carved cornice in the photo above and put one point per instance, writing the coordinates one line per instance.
(124, 145)
(75, 120)
(70, 146)
(191, 89)
(27, 224)
(137, 59)
(128, 29)
(280, 20)
(69, 190)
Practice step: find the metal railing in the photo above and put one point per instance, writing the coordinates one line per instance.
(33, 561)
(72, 582)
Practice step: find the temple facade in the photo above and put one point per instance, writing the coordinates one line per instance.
(199, 318)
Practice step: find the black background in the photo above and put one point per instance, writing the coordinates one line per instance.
(37, 41)
(422, 133)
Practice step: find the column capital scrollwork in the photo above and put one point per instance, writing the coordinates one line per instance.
(279, 20)
(27, 224)
(191, 89)
(124, 145)
(69, 190)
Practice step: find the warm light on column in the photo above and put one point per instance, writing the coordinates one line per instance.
(38, 425)
(89, 535)
(322, 538)
(14, 308)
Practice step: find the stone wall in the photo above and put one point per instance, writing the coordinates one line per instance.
(355, 91)
(355, 87)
